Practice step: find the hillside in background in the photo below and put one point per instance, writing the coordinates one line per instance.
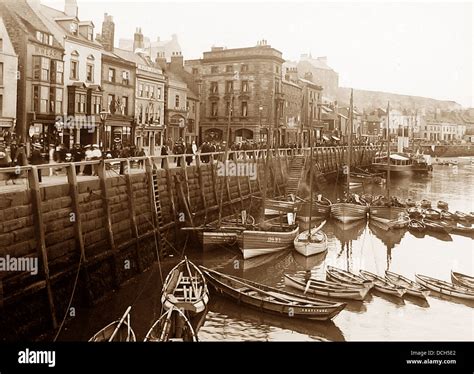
(364, 99)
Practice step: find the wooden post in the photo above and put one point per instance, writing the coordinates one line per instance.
(132, 210)
(170, 194)
(74, 193)
(183, 200)
(201, 184)
(40, 237)
(106, 206)
(185, 173)
(213, 175)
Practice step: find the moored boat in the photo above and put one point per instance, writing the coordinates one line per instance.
(444, 287)
(443, 205)
(438, 226)
(386, 214)
(462, 280)
(446, 215)
(342, 276)
(173, 325)
(431, 214)
(117, 331)
(325, 288)
(321, 208)
(463, 216)
(413, 288)
(311, 242)
(272, 300)
(349, 211)
(382, 285)
(400, 223)
(410, 203)
(416, 226)
(415, 212)
(425, 204)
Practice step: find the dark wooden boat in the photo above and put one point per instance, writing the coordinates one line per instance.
(446, 215)
(117, 331)
(345, 277)
(432, 214)
(185, 288)
(272, 300)
(410, 203)
(413, 288)
(386, 214)
(444, 287)
(438, 226)
(325, 288)
(349, 212)
(425, 204)
(415, 213)
(173, 325)
(462, 228)
(280, 205)
(321, 208)
(442, 205)
(399, 223)
(416, 226)
(382, 285)
(462, 216)
(462, 280)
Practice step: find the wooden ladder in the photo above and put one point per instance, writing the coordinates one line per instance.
(158, 213)
(296, 174)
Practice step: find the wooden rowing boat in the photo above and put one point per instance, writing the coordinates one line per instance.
(425, 204)
(432, 214)
(413, 288)
(416, 226)
(446, 215)
(399, 223)
(349, 212)
(321, 208)
(410, 203)
(439, 226)
(325, 288)
(185, 288)
(442, 205)
(382, 285)
(272, 300)
(117, 331)
(444, 287)
(269, 239)
(311, 242)
(462, 280)
(173, 325)
(346, 277)
(386, 214)
(415, 212)
(463, 216)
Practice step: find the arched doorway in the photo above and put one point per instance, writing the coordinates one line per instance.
(243, 134)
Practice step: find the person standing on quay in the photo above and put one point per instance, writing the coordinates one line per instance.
(36, 158)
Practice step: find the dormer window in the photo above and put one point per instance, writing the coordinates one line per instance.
(90, 33)
(44, 38)
(73, 28)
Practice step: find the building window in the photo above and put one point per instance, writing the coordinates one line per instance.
(229, 86)
(111, 75)
(277, 69)
(125, 78)
(80, 103)
(111, 104)
(194, 107)
(214, 109)
(244, 68)
(124, 106)
(1, 45)
(45, 69)
(229, 69)
(195, 71)
(140, 90)
(152, 91)
(1, 105)
(277, 86)
(159, 93)
(57, 72)
(50, 39)
(245, 86)
(227, 108)
(90, 73)
(187, 105)
(244, 109)
(214, 69)
(90, 33)
(1, 73)
(73, 28)
(214, 87)
(41, 99)
(147, 90)
(96, 104)
(56, 100)
(74, 69)
(176, 101)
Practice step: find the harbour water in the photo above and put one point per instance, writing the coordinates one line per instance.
(362, 245)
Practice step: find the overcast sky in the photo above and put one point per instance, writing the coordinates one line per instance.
(422, 48)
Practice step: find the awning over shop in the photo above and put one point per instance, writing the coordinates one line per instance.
(335, 138)
(325, 138)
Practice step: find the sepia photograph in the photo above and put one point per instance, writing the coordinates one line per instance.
(236, 171)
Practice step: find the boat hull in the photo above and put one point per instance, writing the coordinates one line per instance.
(385, 214)
(382, 285)
(413, 288)
(310, 248)
(348, 212)
(445, 288)
(462, 280)
(256, 243)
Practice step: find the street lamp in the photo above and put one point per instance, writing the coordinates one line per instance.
(103, 117)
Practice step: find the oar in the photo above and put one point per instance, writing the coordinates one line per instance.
(120, 323)
(307, 286)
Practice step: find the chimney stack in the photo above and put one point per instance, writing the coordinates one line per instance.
(176, 61)
(161, 60)
(70, 8)
(108, 33)
(138, 40)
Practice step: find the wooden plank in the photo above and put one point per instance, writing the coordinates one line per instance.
(170, 194)
(133, 218)
(201, 184)
(106, 205)
(240, 189)
(214, 182)
(74, 193)
(184, 168)
(40, 238)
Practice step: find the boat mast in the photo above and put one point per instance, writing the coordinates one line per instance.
(265, 174)
(348, 169)
(310, 175)
(226, 156)
(388, 151)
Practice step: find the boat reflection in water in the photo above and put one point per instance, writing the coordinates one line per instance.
(315, 263)
(244, 323)
(389, 237)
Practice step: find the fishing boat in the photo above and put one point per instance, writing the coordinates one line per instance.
(431, 214)
(173, 325)
(416, 226)
(346, 277)
(281, 205)
(413, 288)
(382, 285)
(439, 226)
(401, 222)
(444, 287)
(425, 204)
(410, 203)
(311, 242)
(351, 207)
(415, 212)
(442, 205)
(446, 215)
(325, 288)
(462, 228)
(185, 288)
(272, 300)
(321, 208)
(462, 280)
(117, 331)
